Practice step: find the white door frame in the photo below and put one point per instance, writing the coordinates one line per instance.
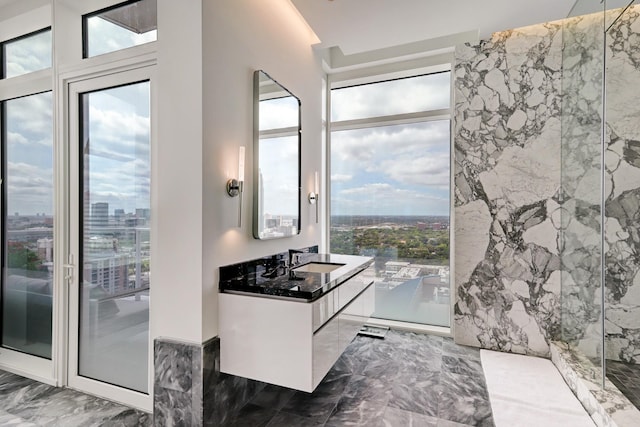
(66, 330)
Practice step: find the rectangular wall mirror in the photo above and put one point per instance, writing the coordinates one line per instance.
(276, 159)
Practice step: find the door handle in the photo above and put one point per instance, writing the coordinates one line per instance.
(69, 268)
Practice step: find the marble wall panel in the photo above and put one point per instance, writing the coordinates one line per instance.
(190, 390)
(507, 190)
(177, 398)
(622, 160)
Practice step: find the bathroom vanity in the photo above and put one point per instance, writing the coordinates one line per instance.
(289, 329)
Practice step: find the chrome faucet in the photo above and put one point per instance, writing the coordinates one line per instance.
(294, 257)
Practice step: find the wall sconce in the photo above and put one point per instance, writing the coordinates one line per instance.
(315, 195)
(235, 186)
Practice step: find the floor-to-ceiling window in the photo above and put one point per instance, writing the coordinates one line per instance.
(27, 195)
(390, 186)
(75, 204)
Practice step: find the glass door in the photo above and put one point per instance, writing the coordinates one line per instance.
(26, 300)
(109, 337)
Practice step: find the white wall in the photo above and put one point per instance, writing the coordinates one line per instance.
(176, 310)
(239, 37)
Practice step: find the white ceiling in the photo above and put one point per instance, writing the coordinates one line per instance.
(357, 26)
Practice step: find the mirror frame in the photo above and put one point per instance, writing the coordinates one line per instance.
(256, 155)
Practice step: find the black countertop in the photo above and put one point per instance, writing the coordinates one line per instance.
(277, 281)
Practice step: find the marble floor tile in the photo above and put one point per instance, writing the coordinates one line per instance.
(283, 419)
(24, 402)
(7, 419)
(394, 417)
(384, 370)
(464, 410)
(404, 380)
(367, 388)
(316, 407)
(461, 366)
(252, 415)
(452, 349)
(273, 397)
(416, 394)
(356, 412)
(464, 385)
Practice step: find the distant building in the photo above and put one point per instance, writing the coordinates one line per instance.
(99, 214)
(392, 267)
(143, 213)
(110, 272)
(100, 245)
(45, 249)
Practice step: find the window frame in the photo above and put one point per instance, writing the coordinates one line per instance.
(388, 72)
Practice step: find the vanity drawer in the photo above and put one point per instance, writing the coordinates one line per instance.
(323, 310)
(326, 349)
(348, 290)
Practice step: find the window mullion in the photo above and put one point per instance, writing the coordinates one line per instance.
(395, 119)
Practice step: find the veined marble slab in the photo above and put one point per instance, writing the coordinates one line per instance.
(507, 156)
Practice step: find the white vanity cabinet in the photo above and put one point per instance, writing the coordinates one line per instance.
(291, 343)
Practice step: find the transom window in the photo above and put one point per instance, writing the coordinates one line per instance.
(119, 27)
(26, 54)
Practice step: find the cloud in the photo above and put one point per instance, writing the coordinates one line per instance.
(278, 113)
(384, 199)
(419, 170)
(107, 37)
(416, 154)
(279, 170)
(422, 93)
(17, 138)
(337, 177)
(30, 188)
(30, 119)
(383, 190)
(29, 54)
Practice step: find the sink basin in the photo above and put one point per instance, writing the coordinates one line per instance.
(318, 267)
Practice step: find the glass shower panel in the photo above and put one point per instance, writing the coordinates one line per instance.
(622, 174)
(581, 238)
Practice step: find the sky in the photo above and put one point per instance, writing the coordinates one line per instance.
(29, 155)
(118, 130)
(279, 156)
(388, 170)
(118, 157)
(391, 170)
(385, 170)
